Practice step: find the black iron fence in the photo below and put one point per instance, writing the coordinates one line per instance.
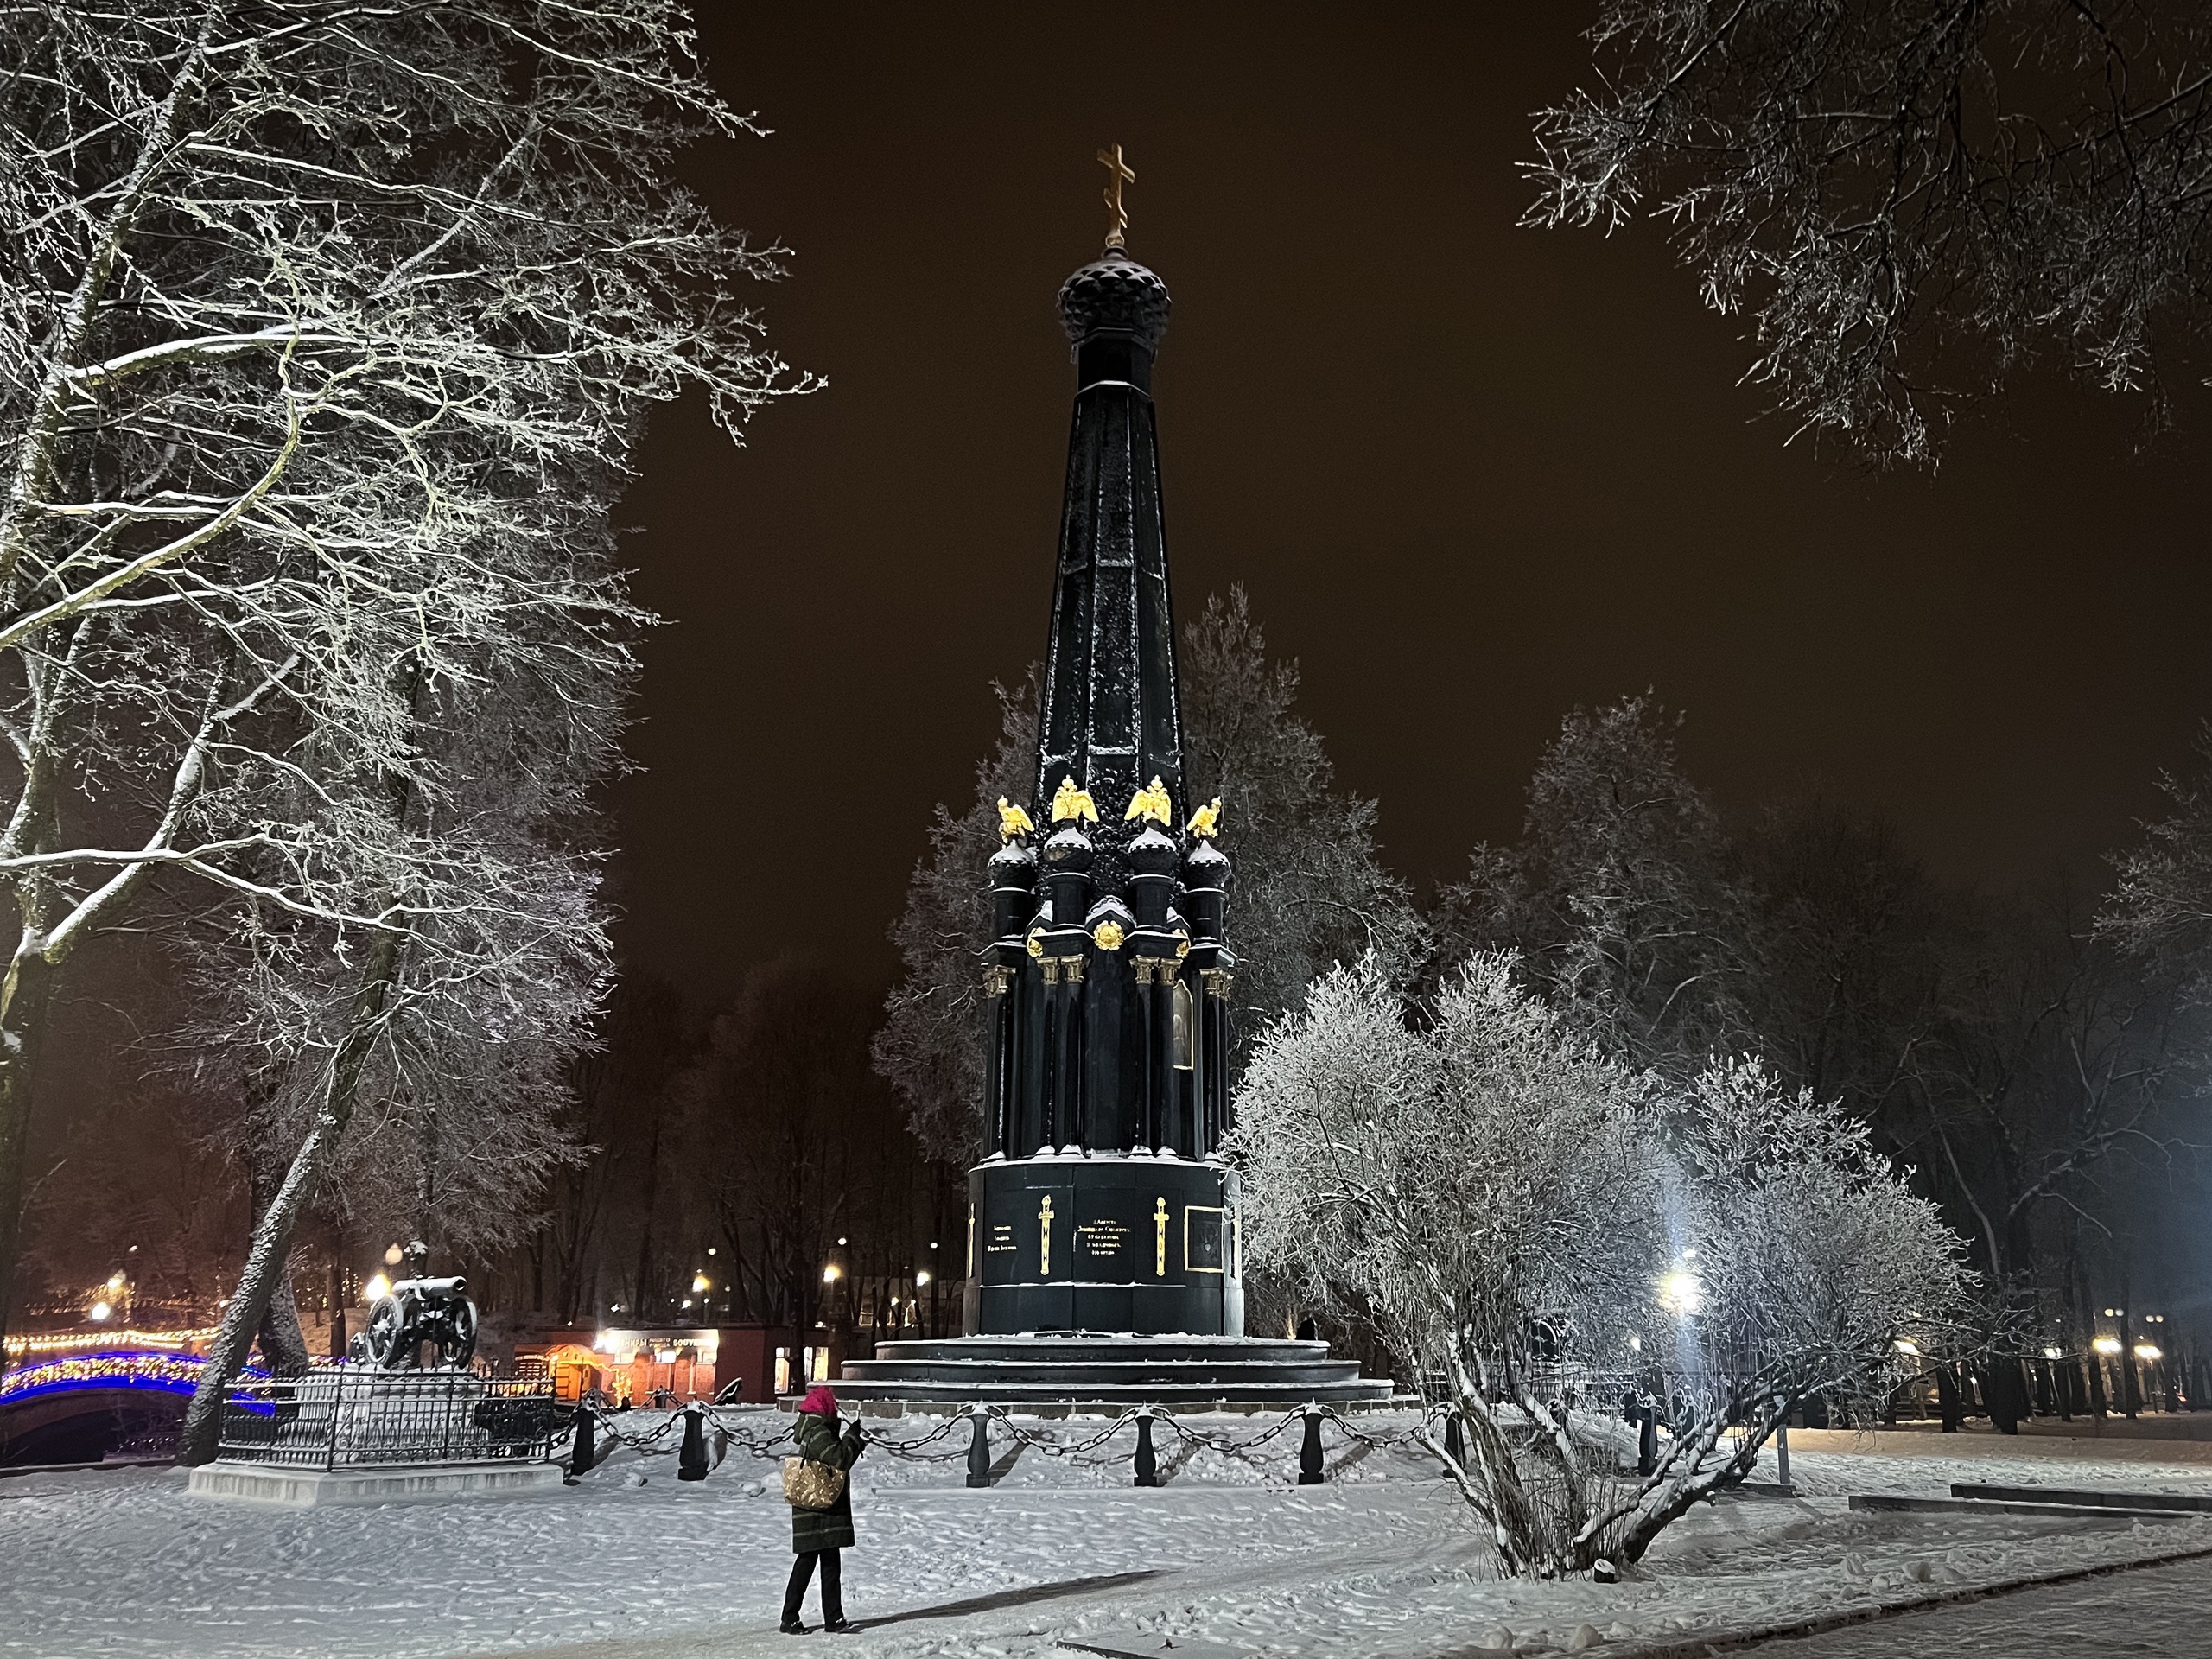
(344, 1416)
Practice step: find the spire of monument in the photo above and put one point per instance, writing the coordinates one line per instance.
(1112, 718)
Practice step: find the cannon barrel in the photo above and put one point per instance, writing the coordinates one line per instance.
(432, 1290)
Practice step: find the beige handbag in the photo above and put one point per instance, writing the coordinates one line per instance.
(811, 1485)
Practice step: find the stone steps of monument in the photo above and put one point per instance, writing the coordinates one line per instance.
(1014, 1391)
(1089, 1349)
(1110, 1370)
(1220, 1373)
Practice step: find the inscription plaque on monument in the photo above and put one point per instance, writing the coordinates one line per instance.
(1103, 1247)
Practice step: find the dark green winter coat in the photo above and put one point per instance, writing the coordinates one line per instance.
(818, 1440)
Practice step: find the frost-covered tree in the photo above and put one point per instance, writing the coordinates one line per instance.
(1536, 1228)
(1623, 895)
(1311, 889)
(1913, 199)
(1311, 886)
(931, 1045)
(325, 333)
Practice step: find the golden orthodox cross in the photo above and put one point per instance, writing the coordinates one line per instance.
(1117, 172)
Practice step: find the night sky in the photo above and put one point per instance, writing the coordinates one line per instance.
(1472, 474)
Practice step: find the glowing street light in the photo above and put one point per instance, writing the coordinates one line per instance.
(831, 1274)
(923, 1277)
(2107, 1344)
(1681, 1292)
(699, 1283)
(99, 1310)
(2053, 1353)
(376, 1289)
(2147, 1350)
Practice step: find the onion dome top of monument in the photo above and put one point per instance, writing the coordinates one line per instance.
(1206, 865)
(1014, 866)
(1115, 294)
(1069, 848)
(1150, 853)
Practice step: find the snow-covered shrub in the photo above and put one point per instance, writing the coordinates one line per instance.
(1542, 1235)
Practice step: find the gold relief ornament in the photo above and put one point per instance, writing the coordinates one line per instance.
(1160, 1238)
(1013, 820)
(1108, 936)
(1206, 823)
(1035, 943)
(1069, 802)
(1151, 803)
(1045, 1239)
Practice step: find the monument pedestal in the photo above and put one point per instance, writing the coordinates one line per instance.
(1119, 1242)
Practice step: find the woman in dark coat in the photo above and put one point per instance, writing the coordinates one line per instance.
(819, 1535)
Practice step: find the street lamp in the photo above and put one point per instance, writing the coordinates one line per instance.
(1681, 1292)
(2107, 1346)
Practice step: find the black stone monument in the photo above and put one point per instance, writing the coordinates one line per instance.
(1103, 1210)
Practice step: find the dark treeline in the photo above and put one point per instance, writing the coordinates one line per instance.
(2036, 1057)
(749, 1144)
(753, 1146)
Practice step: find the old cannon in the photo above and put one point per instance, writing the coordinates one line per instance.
(419, 1310)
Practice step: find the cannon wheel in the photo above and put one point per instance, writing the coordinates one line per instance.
(387, 1324)
(462, 1348)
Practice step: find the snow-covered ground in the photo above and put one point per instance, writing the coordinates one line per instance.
(1381, 1560)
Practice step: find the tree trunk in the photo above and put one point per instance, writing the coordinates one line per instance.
(283, 1349)
(272, 1238)
(24, 998)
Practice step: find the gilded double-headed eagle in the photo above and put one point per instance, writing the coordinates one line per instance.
(1069, 802)
(1151, 802)
(1013, 820)
(1206, 823)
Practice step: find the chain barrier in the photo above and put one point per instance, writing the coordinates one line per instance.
(739, 1434)
(781, 1443)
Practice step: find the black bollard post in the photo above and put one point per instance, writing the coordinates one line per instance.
(1647, 1437)
(1147, 1465)
(691, 1461)
(979, 1447)
(1455, 1443)
(585, 1453)
(1309, 1455)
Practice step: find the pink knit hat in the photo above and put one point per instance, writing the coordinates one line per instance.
(820, 1401)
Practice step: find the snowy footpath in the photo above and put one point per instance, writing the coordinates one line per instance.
(1381, 1560)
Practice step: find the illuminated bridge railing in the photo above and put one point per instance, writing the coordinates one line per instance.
(168, 1372)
